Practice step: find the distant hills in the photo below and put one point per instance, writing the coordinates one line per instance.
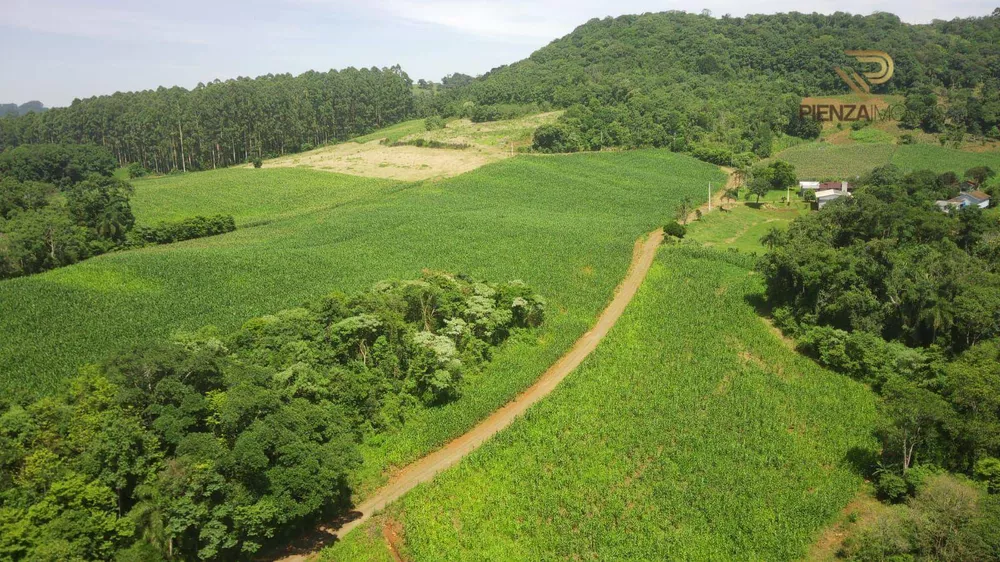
(26, 107)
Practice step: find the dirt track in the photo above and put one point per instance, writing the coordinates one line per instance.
(424, 469)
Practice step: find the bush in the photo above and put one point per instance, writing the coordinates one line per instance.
(257, 162)
(136, 170)
(434, 122)
(554, 138)
(988, 470)
(186, 229)
(891, 487)
(674, 229)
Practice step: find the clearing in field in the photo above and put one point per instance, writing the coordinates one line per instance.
(742, 225)
(692, 432)
(367, 156)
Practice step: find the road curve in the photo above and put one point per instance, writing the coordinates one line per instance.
(427, 467)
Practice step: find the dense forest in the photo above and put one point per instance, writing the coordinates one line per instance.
(223, 123)
(208, 446)
(725, 86)
(887, 288)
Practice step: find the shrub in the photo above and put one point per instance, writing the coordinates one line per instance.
(136, 170)
(185, 229)
(257, 162)
(554, 138)
(988, 470)
(891, 487)
(434, 122)
(674, 229)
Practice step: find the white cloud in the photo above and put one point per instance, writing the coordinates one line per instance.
(511, 19)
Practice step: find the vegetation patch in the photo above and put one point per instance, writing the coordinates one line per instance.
(209, 446)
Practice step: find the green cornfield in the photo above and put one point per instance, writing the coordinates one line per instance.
(566, 225)
(693, 432)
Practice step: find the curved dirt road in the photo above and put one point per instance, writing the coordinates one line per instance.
(427, 467)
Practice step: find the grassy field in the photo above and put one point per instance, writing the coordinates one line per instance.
(743, 225)
(566, 225)
(250, 195)
(692, 433)
(820, 160)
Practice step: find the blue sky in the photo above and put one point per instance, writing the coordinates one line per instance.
(58, 50)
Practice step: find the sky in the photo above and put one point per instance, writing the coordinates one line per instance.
(58, 50)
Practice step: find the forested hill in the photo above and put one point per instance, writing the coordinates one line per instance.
(223, 123)
(677, 78)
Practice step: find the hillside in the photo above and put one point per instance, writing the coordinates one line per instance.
(692, 432)
(726, 86)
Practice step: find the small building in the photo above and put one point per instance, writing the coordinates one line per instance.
(824, 196)
(808, 185)
(965, 199)
(836, 185)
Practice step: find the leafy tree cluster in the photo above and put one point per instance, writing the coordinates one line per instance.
(223, 123)
(684, 80)
(888, 289)
(184, 229)
(206, 447)
(948, 519)
(58, 205)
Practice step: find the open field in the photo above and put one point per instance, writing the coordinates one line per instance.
(820, 160)
(367, 156)
(692, 432)
(565, 225)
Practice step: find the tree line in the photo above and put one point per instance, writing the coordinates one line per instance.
(223, 122)
(211, 446)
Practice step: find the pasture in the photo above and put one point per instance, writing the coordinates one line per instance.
(566, 225)
(692, 432)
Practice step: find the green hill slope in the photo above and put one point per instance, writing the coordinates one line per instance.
(691, 433)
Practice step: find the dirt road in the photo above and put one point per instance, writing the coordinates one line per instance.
(426, 468)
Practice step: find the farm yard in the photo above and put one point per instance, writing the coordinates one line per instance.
(691, 432)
